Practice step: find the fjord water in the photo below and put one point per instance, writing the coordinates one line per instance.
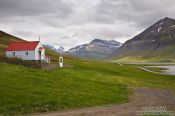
(169, 69)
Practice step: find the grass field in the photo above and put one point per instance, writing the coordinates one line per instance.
(88, 83)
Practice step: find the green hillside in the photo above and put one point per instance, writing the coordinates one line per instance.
(5, 39)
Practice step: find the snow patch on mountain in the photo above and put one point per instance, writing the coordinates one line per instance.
(172, 26)
(159, 29)
(72, 50)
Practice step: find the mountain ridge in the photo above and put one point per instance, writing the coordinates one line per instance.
(96, 49)
(152, 43)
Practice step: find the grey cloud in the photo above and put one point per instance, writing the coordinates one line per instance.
(34, 7)
(71, 22)
(140, 12)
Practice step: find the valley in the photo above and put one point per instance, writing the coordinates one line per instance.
(88, 87)
(87, 57)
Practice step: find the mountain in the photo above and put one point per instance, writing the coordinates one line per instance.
(56, 49)
(96, 49)
(156, 43)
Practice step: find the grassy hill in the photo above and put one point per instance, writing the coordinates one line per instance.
(5, 38)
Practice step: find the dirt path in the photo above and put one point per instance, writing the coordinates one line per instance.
(142, 97)
(147, 70)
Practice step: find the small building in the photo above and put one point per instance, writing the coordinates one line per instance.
(32, 50)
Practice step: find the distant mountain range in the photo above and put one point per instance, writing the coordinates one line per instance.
(56, 49)
(156, 43)
(96, 49)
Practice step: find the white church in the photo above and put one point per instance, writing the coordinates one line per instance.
(28, 50)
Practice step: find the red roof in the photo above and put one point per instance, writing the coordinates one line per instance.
(21, 46)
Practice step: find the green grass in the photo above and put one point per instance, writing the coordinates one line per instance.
(25, 90)
(2, 48)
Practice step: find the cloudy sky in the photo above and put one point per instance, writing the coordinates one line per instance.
(69, 23)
